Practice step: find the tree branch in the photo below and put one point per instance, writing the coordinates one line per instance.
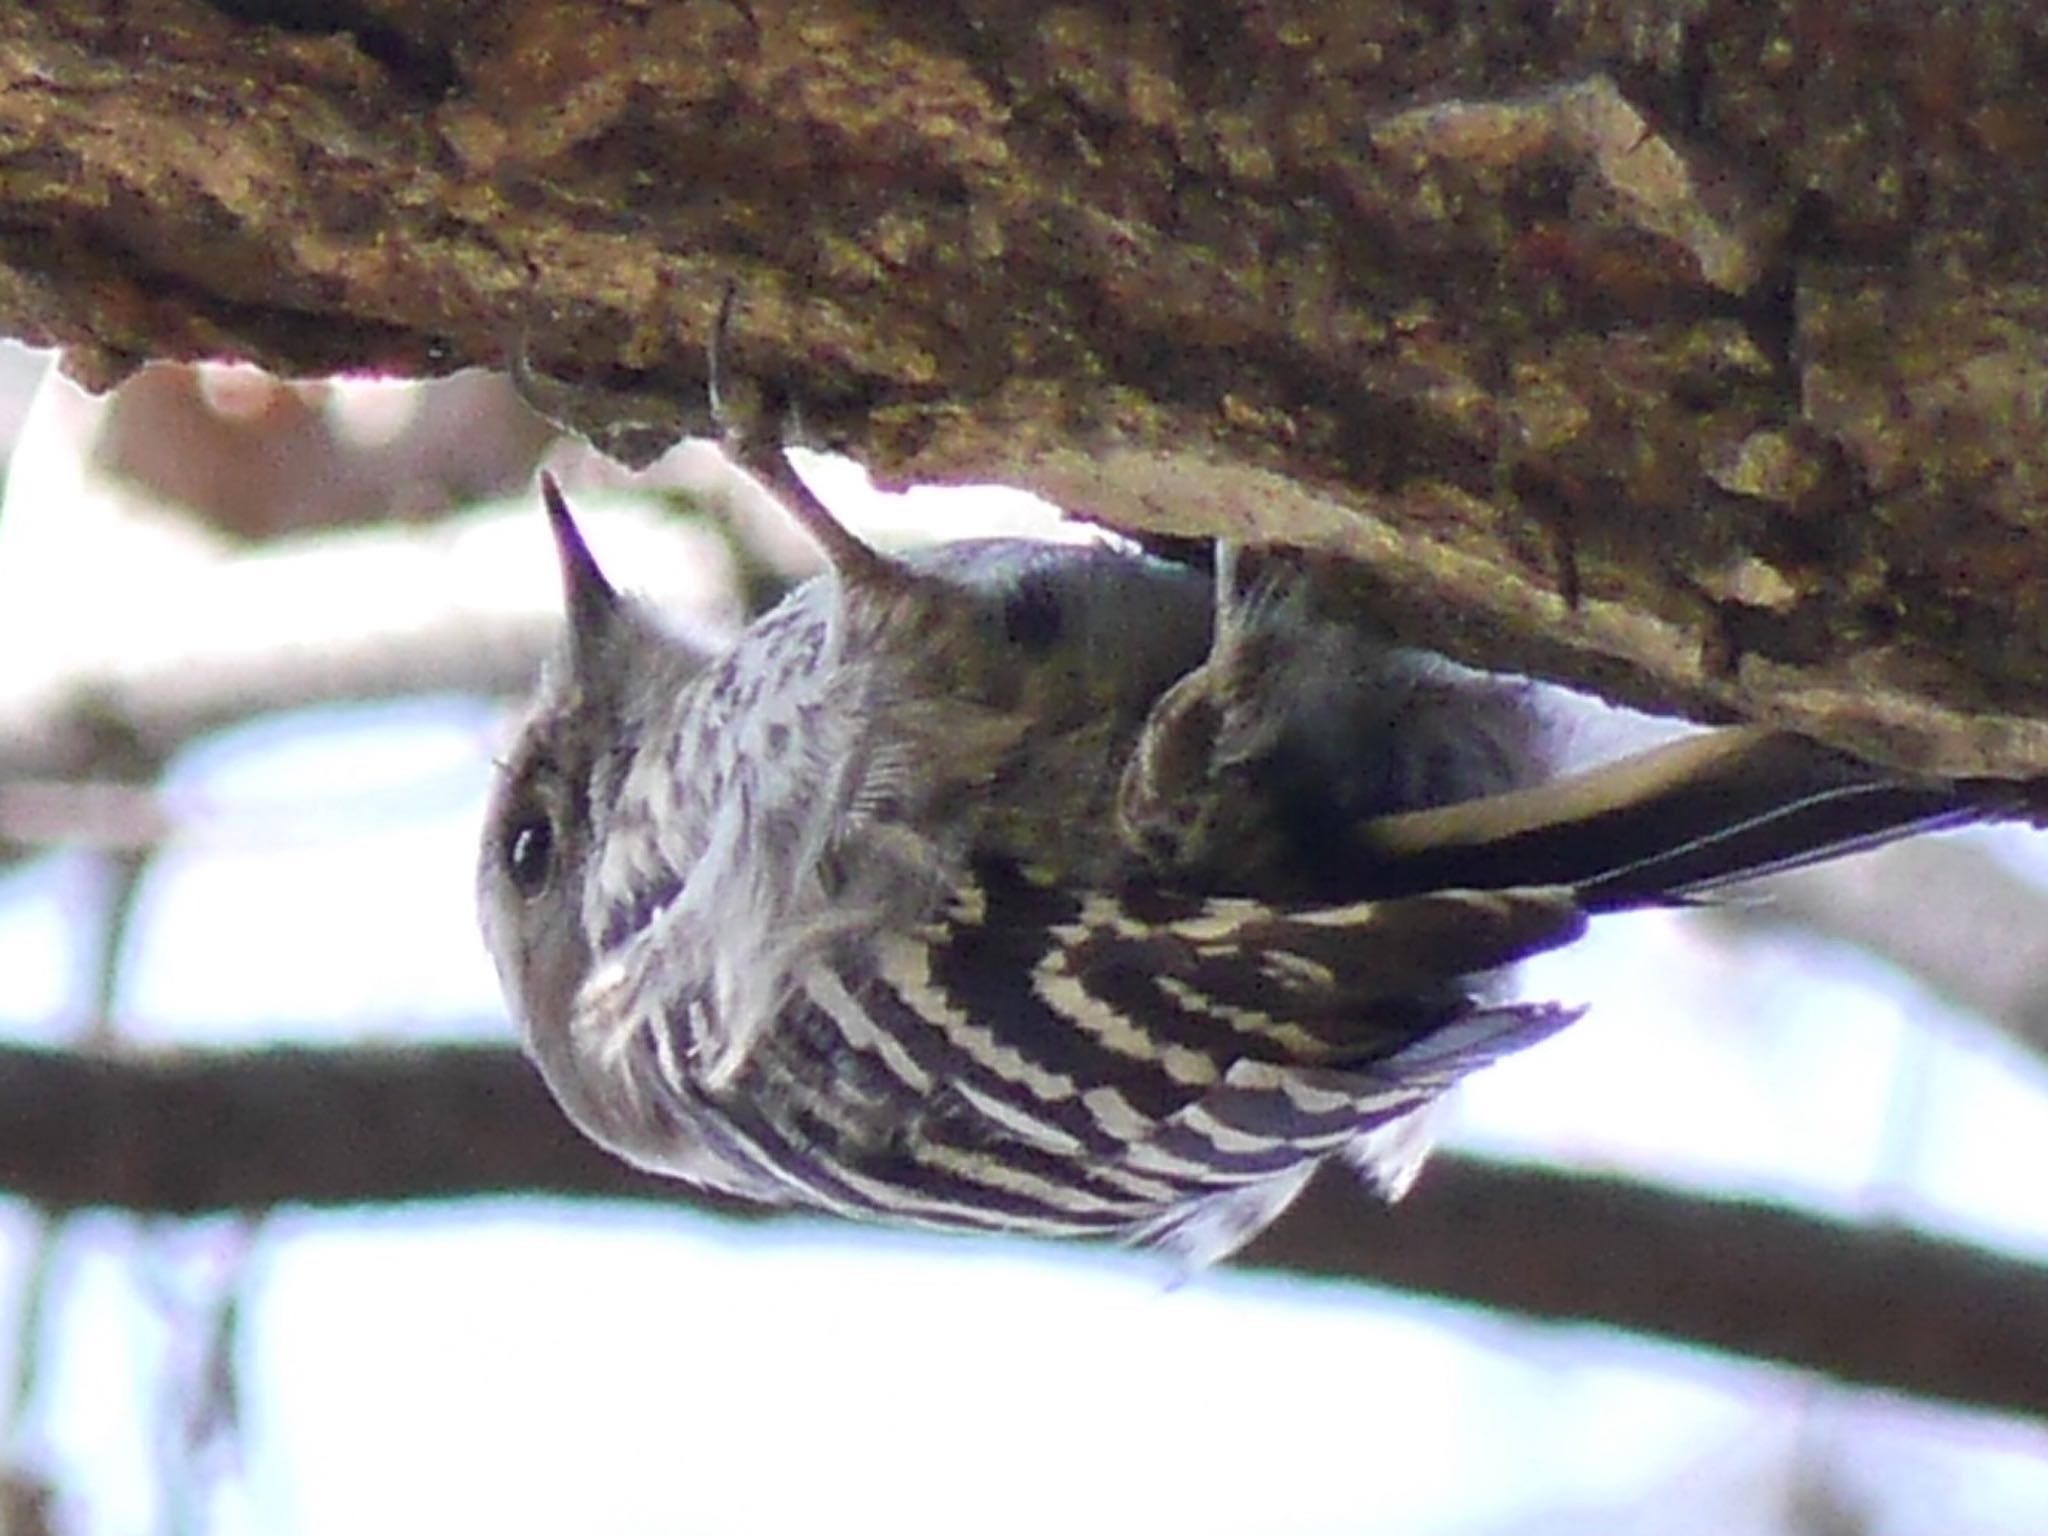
(1949, 914)
(1876, 1305)
(195, 1132)
(1696, 367)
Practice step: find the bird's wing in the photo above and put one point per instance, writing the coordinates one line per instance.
(1144, 1046)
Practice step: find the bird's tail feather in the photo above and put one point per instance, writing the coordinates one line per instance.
(1670, 823)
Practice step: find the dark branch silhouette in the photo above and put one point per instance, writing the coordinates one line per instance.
(195, 1131)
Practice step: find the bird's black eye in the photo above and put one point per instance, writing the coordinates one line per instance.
(530, 852)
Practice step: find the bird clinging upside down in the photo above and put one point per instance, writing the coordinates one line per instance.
(1058, 889)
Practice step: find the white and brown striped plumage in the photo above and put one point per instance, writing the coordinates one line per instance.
(1000, 888)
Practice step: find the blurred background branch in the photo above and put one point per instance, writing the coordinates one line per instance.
(198, 1132)
(1966, 926)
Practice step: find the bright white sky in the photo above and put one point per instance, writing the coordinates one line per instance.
(521, 1367)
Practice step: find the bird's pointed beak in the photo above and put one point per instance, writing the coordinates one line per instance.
(590, 599)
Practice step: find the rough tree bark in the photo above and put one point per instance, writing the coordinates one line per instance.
(1690, 350)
